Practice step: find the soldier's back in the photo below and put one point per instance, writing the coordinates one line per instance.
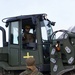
(29, 72)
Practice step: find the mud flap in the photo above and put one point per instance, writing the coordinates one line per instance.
(56, 62)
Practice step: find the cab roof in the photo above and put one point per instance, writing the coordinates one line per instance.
(10, 19)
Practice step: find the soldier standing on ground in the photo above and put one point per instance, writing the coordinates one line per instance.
(31, 68)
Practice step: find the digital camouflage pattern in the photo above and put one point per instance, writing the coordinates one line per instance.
(29, 72)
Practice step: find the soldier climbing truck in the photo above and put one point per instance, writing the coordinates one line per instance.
(53, 56)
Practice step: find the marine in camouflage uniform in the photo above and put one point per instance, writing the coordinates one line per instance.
(31, 68)
(27, 37)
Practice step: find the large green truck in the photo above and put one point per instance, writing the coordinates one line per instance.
(53, 56)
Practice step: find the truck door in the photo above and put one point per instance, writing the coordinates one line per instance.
(14, 45)
(32, 49)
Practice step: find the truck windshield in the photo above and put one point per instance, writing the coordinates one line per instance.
(46, 30)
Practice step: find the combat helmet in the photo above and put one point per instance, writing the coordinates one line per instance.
(30, 61)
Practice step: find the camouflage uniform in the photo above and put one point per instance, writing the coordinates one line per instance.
(31, 68)
(29, 72)
(27, 38)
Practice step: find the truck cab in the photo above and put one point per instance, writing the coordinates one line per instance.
(16, 53)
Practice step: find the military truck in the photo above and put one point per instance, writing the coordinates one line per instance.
(53, 56)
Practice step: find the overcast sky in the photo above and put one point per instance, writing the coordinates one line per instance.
(60, 11)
